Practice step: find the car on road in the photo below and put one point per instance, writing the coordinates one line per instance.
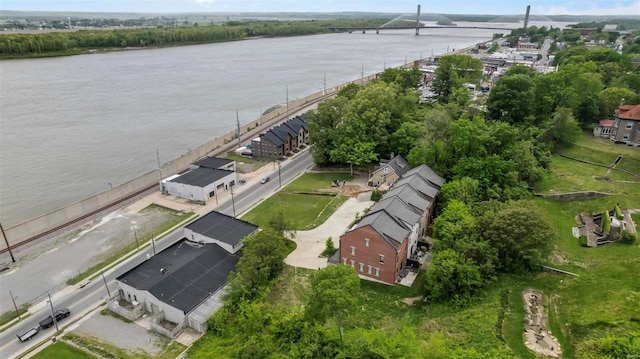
(265, 180)
(60, 314)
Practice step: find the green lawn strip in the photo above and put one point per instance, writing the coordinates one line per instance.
(60, 349)
(303, 212)
(11, 315)
(311, 182)
(514, 323)
(255, 162)
(127, 250)
(631, 164)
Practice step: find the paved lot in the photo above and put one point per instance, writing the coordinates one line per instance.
(129, 336)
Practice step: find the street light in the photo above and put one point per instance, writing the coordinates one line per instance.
(105, 283)
(135, 234)
(153, 244)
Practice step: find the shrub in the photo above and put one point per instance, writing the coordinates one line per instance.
(606, 222)
(626, 237)
(583, 241)
(618, 211)
(330, 249)
(376, 195)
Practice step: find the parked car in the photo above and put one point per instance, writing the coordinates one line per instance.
(28, 334)
(265, 180)
(60, 314)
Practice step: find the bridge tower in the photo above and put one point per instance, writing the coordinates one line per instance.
(418, 21)
(526, 17)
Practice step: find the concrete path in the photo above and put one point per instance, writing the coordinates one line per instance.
(311, 244)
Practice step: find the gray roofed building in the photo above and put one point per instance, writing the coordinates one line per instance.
(427, 173)
(426, 188)
(215, 163)
(399, 209)
(215, 227)
(184, 274)
(387, 226)
(201, 177)
(411, 196)
(388, 171)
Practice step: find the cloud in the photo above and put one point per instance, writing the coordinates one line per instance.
(594, 8)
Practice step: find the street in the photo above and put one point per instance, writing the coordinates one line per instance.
(82, 300)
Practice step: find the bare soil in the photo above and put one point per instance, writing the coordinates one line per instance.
(536, 335)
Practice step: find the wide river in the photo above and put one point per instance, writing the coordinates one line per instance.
(72, 126)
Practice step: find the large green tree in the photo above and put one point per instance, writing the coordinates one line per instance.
(511, 99)
(452, 72)
(334, 292)
(521, 234)
(452, 277)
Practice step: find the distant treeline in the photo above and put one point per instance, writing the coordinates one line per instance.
(67, 43)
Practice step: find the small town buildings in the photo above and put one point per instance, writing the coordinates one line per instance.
(388, 171)
(182, 285)
(386, 239)
(216, 163)
(627, 125)
(200, 184)
(282, 140)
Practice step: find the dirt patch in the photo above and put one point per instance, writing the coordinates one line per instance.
(411, 301)
(536, 336)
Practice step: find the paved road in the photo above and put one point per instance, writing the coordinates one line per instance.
(82, 300)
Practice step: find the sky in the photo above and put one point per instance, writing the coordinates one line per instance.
(498, 7)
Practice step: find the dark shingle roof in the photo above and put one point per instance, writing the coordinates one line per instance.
(201, 177)
(221, 227)
(409, 195)
(427, 173)
(273, 138)
(398, 164)
(388, 227)
(212, 162)
(420, 184)
(296, 123)
(184, 274)
(283, 130)
(398, 208)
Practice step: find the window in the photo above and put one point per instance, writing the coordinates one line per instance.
(353, 263)
(368, 269)
(361, 267)
(366, 242)
(134, 298)
(625, 137)
(377, 272)
(381, 258)
(629, 125)
(353, 250)
(344, 260)
(212, 193)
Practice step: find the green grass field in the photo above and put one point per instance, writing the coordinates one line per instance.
(300, 202)
(63, 350)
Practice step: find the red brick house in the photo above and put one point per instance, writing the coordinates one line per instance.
(376, 247)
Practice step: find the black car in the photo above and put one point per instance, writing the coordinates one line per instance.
(60, 314)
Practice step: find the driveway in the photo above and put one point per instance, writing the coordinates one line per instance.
(311, 244)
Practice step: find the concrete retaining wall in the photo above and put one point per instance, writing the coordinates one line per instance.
(72, 212)
(574, 196)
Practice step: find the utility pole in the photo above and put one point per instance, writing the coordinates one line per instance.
(238, 125)
(15, 306)
(287, 102)
(105, 283)
(53, 314)
(158, 158)
(233, 203)
(324, 89)
(153, 243)
(362, 74)
(6, 241)
(279, 179)
(135, 235)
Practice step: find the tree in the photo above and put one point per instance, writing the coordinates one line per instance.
(611, 98)
(464, 189)
(511, 99)
(262, 259)
(334, 291)
(450, 276)
(563, 127)
(520, 233)
(452, 72)
(406, 78)
(323, 127)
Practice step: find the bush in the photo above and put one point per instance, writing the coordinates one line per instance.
(618, 211)
(626, 237)
(330, 249)
(583, 241)
(376, 195)
(606, 222)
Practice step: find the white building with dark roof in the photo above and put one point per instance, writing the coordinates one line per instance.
(182, 285)
(199, 184)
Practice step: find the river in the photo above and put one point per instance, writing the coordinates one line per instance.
(71, 127)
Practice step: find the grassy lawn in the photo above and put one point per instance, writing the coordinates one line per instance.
(303, 211)
(255, 162)
(61, 349)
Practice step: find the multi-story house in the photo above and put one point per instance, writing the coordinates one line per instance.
(627, 125)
